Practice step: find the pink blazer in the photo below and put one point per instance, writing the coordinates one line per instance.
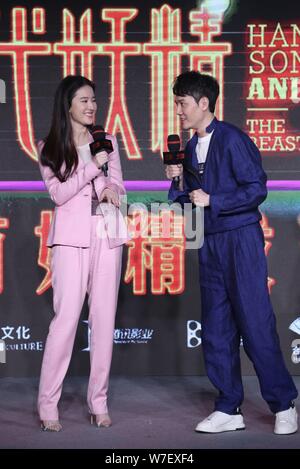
(71, 223)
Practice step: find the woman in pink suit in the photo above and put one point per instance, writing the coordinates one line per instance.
(85, 254)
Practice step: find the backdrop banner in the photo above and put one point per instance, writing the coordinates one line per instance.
(158, 324)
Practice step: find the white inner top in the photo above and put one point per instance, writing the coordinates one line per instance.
(202, 147)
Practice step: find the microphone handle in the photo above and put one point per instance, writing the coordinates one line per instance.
(176, 181)
(104, 168)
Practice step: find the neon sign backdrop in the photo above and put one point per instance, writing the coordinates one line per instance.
(165, 49)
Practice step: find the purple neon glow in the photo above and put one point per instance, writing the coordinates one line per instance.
(38, 186)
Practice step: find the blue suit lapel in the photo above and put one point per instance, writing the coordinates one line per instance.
(191, 174)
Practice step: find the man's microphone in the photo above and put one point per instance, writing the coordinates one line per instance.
(174, 156)
(100, 143)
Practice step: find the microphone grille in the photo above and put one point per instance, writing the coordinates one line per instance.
(173, 142)
(98, 132)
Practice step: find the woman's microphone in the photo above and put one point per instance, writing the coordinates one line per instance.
(100, 143)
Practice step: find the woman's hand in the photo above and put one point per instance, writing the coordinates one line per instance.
(100, 159)
(110, 196)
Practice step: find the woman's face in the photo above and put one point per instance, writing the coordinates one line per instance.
(83, 106)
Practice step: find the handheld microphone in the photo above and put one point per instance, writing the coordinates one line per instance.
(100, 143)
(174, 155)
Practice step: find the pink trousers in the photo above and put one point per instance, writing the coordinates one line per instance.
(76, 271)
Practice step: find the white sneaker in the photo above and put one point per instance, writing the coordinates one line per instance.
(218, 422)
(295, 326)
(286, 422)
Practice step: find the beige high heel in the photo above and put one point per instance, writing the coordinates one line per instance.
(51, 426)
(101, 420)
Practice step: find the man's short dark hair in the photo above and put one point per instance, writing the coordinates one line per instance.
(197, 85)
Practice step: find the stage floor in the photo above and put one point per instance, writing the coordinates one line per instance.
(147, 412)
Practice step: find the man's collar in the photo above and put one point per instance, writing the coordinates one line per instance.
(212, 125)
(208, 129)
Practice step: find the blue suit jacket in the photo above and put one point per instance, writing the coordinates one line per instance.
(233, 177)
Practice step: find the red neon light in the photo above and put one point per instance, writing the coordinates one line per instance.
(159, 248)
(269, 233)
(273, 86)
(118, 119)
(165, 50)
(41, 231)
(20, 49)
(4, 224)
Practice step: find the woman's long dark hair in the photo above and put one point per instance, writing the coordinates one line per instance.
(59, 145)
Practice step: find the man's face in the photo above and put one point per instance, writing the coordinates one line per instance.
(192, 114)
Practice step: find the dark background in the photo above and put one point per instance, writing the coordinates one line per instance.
(46, 72)
(166, 315)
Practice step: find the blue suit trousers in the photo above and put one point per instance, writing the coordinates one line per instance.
(236, 304)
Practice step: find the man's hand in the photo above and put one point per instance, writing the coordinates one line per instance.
(173, 170)
(199, 197)
(110, 196)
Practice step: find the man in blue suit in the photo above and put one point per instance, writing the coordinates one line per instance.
(223, 172)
